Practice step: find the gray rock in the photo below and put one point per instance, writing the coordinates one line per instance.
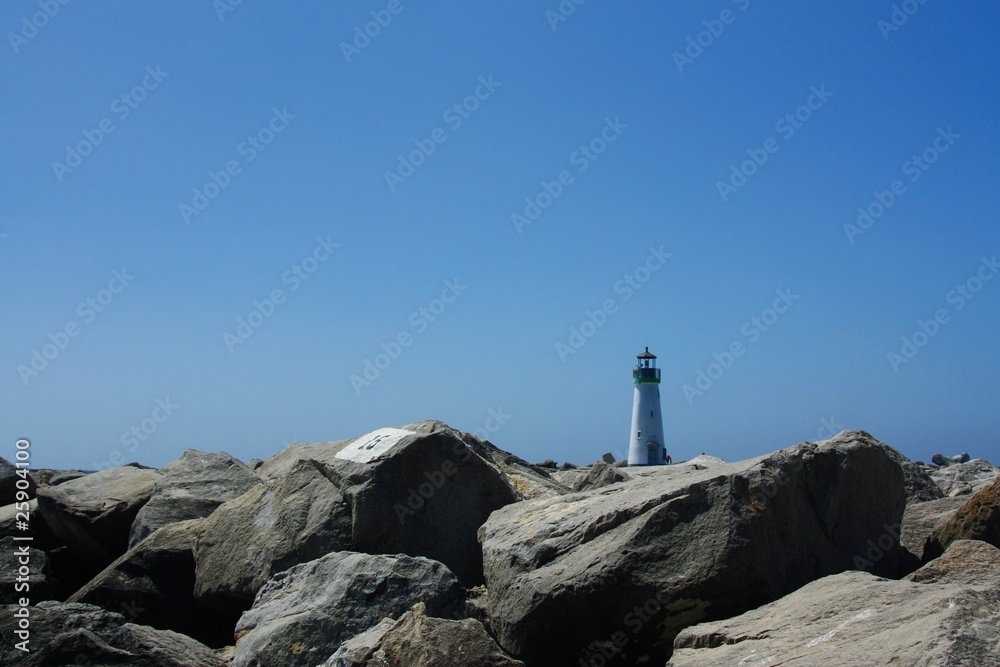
(291, 519)
(419, 640)
(547, 463)
(39, 579)
(78, 634)
(600, 474)
(153, 584)
(423, 489)
(49, 477)
(977, 519)
(609, 458)
(964, 479)
(854, 618)
(357, 651)
(919, 521)
(637, 562)
(941, 460)
(919, 485)
(191, 488)
(961, 458)
(303, 615)
(8, 482)
(93, 514)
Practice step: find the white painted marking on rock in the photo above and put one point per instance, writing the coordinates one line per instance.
(369, 447)
(830, 635)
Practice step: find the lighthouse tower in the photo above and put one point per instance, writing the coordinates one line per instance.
(646, 446)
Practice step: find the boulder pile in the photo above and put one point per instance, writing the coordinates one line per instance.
(423, 545)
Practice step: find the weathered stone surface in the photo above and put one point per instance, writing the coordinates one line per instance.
(964, 479)
(977, 519)
(93, 514)
(854, 618)
(289, 520)
(423, 489)
(919, 521)
(82, 634)
(600, 474)
(8, 482)
(964, 562)
(303, 615)
(50, 477)
(917, 482)
(357, 651)
(419, 640)
(191, 488)
(639, 561)
(153, 583)
(39, 579)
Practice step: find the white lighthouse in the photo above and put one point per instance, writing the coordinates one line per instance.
(646, 446)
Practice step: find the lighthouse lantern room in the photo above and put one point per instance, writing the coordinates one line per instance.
(646, 444)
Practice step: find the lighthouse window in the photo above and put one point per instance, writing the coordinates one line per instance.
(650, 413)
(638, 434)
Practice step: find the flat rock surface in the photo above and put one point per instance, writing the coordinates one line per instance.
(951, 619)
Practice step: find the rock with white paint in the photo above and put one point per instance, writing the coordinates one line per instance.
(944, 615)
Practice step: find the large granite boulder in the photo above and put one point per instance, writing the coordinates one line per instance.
(191, 488)
(82, 634)
(977, 519)
(419, 640)
(964, 479)
(423, 489)
(919, 485)
(9, 477)
(153, 582)
(292, 519)
(600, 474)
(948, 619)
(303, 615)
(920, 520)
(93, 514)
(627, 566)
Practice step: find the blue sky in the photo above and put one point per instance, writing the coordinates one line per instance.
(624, 125)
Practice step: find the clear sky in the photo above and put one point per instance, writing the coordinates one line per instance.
(468, 184)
